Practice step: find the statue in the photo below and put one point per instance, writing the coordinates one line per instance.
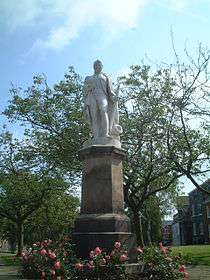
(101, 105)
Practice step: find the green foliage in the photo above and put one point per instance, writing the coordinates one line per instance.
(47, 260)
(157, 109)
(25, 184)
(53, 219)
(152, 220)
(53, 119)
(160, 264)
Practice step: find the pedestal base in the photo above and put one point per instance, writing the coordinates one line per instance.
(102, 230)
(88, 241)
(102, 220)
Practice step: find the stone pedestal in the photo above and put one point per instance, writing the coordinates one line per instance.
(102, 220)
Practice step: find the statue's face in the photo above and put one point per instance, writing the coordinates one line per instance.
(98, 67)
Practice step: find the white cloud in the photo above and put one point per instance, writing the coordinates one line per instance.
(69, 18)
(113, 16)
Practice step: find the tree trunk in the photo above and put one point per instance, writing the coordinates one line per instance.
(20, 236)
(149, 232)
(138, 228)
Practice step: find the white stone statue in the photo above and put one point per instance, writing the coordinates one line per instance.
(101, 107)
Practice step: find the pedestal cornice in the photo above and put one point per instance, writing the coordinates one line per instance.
(102, 151)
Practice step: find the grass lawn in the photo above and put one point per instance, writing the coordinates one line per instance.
(7, 259)
(194, 254)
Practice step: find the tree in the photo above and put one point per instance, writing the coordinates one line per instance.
(144, 117)
(156, 112)
(53, 120)
(24, 185)
(189, 145)
(53, 219)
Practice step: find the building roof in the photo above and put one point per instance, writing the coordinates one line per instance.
(205, 185)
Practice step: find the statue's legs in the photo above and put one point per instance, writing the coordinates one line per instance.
(94, 116)
(103, 109)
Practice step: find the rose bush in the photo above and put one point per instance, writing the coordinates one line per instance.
(102, 265)
(50, 260)
(160, 264)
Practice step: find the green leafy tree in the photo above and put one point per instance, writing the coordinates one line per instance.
(157, 108)
(53, 120)
(54, 219)
(24, 185)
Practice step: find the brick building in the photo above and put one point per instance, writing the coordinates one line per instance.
(191, 223)
(200, 208)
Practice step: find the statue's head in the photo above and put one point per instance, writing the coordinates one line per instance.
(98, 66)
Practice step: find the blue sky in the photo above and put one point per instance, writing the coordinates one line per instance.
(46, 36)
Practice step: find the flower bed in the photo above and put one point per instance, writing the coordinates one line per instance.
(50, 260)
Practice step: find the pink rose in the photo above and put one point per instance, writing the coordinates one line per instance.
(24, 256)
(45, 243)
(53, 272)
(97, 251)
(182, 268)
(52, 255)
(112, 253)
(57, 265)
(43, 274)
(123, 258)
(169, 259)
(186, 275)
(43, 252)
(79, 266)
(139, 250)
(117, 245)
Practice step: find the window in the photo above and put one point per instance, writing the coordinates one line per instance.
(209, 231)
(194, 229)
(208, 211)
(193, 210)
(201, 229)
(199, 208)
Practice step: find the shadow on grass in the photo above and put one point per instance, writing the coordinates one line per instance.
(8, 273)
(8, 277)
